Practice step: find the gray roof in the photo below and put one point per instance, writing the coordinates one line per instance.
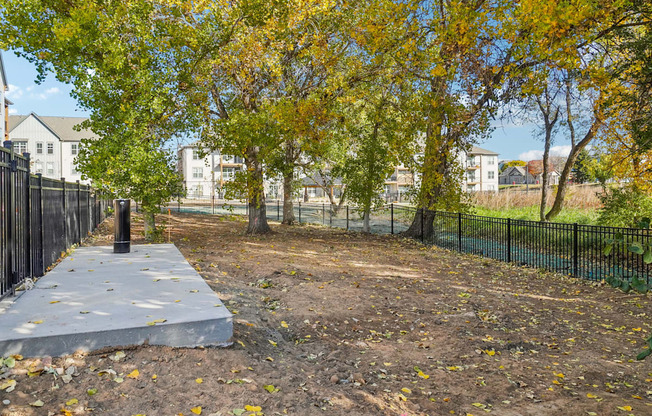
(62, 127)
(509, 170)
(475, 150)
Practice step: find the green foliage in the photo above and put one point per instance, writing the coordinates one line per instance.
(512, 163)
(582, 172)
(625, 206)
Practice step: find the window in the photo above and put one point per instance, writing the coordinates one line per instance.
(73, 148)
(49, 168)
(312, 191)
(491, 174)
(195, 154)
(39, 148)
(228, 173)
(470, 161)
(38, 166)
(73, 169)
(198, 173)
(470, 177)
(50, 148)
(20, 147)
(491, 160)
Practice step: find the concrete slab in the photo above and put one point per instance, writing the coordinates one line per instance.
(95, 298)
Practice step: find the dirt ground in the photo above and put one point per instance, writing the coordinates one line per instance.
(336, 323)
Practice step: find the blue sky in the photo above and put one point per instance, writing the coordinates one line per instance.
(52, 98)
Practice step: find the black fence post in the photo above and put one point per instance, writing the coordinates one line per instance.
(575, 250)
(65, 213)
(40, 225)
(459, 232)
(278, 210)
(12, 218)
(422, 221)
(391, 210)
(299, 212)
(509, 240)
(347, 217)
(28, 222)
(79, 220)
(323, 214)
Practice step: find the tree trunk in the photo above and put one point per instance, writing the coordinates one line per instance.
(366, 228)
(417, 230)
(549, 125)
(256, 193)
(288, 204)
(149, 222)
(565, 174)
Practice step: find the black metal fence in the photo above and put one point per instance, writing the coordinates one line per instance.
(39, 219)
(571, 249)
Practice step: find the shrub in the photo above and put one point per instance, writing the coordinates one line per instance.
(627, 206)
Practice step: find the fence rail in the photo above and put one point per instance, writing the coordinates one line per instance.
(39, 219)
(571, 249)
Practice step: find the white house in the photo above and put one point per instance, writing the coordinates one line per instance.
(4, 102)
(481, 170)
(52, 142)
(516, 175)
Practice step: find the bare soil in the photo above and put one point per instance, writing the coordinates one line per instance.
(339, 323)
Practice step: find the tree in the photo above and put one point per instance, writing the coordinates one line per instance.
(512, 163)
(582, 172)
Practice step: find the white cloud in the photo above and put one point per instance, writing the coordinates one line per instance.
(14, 92)
(538, 154)
(53, 90)
(13, 111)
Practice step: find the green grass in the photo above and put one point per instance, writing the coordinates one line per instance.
(569, 216)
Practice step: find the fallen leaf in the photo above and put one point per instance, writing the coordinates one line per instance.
(284, 324)
(91, 392)
(199, 380)
(134, 374)
(37, 403)
(71, 402)
(37, 322)
(238, 412)
(625, 408)
(55, 301)
(249, 408)
(8, 386)
(196, 410)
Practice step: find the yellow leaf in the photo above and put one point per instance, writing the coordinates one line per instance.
(71, 402)
(625, 408)
(284, 324)
(560, 375)
(241, 343)
(406, 390)
(423, 376)
(55, 301)
(199, 380)
(134, 374)
(253, 408)
(272, 342)
(591, 395)
(37, 322)
(8, 385)
(401, 397)
(154, 377)
(196, 410)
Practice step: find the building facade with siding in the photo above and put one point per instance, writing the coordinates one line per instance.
(52, 142)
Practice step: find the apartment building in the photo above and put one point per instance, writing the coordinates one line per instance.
(52, 142)
(206, 175)
(480, 170)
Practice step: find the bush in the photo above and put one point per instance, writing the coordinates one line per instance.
(625, 207)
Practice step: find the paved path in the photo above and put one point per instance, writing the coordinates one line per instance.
(95, 298)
